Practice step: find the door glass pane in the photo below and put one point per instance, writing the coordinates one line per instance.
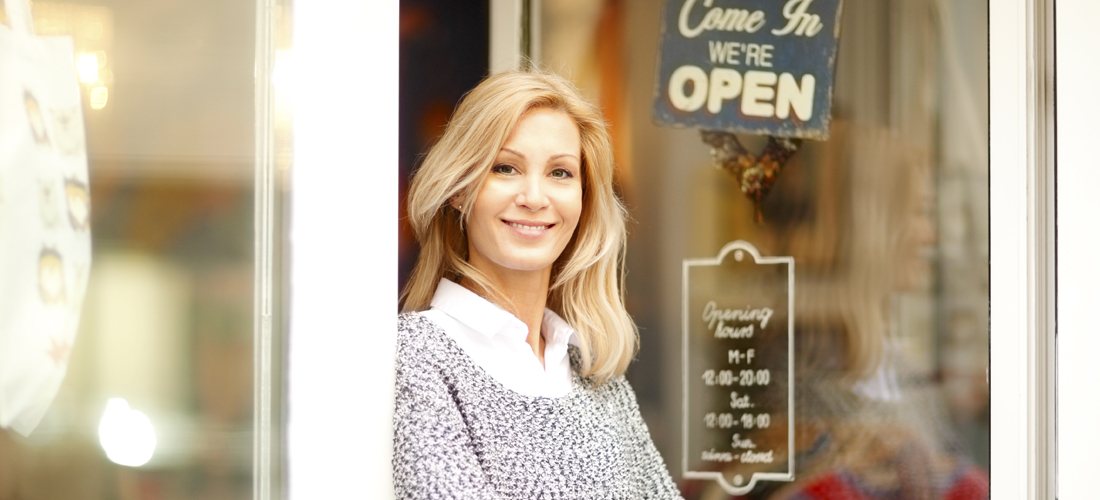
(886, 221)
(158, 399)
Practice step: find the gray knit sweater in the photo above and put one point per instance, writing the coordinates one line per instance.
(459, 433)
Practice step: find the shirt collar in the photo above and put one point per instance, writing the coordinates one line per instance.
(474, 311)
(489, 320)
(556, 330)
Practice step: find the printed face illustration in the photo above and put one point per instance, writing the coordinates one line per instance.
(76, 198)
(34, 118)
(529, 206)
(68, 130)
(48, 203)
(51, 277)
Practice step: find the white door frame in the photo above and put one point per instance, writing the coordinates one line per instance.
(1078, 70)
(343, 255)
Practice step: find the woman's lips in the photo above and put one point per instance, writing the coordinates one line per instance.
(528, 228)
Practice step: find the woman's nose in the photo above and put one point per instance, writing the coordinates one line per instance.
(532, 196)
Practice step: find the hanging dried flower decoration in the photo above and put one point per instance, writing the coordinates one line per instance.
(756, 175)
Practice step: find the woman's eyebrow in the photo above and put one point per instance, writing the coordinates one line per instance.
(561, 155)
(554, 157)
(517, 153)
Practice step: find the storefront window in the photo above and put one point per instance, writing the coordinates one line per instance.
(158, 401)
(886, 221)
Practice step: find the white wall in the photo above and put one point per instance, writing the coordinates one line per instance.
(1078, 71)
(343, 249)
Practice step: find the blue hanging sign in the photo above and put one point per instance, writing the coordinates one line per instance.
(748, 66)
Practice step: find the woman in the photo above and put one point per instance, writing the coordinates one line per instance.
(514, 339)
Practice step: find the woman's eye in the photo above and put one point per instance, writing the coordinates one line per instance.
(561, 173)
(504, 169)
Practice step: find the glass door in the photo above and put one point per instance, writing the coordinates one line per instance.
(887, 224)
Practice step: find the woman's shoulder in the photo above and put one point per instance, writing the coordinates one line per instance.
(417, 323)
(412, 321)
(615, 390)
(417, 334)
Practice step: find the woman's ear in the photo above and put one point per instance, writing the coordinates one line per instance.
(456, 203)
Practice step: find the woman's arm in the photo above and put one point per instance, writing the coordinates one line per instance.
(432, 453)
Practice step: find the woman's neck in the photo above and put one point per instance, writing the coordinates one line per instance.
(527, 292)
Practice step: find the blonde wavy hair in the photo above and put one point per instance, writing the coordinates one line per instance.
(586, 282)
(851, 241)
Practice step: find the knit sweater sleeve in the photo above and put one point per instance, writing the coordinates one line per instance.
(433, 456)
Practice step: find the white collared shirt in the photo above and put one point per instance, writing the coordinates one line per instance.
(497, 341)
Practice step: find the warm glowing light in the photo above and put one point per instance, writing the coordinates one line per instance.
(283, 78)
(126, 435)
(98, 97)
(282, 75)
(87, 66)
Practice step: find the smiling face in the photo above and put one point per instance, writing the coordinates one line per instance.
(528, 208)
(918, 238)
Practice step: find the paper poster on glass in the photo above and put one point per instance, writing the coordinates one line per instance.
(45, 233)
(738, 359)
